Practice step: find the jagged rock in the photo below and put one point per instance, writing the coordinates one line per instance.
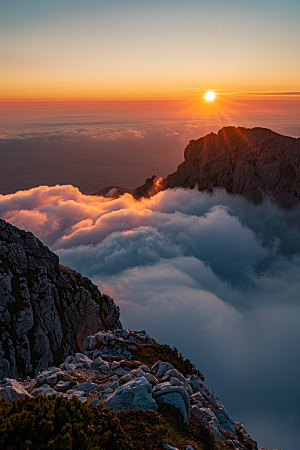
(112, 344)
(48, 376)
(45, 309)
(169, 447)
(175, 374)
(104, 367)
(144, 368)
(97, 362)
(163, 369)
(156, 365)
(45, 389)
(134, 395)
(243, 435)
(63, 386)
(79, 394)
(87, 386)
(251, 162)
(10, 389)
(84, 360)
(175, 395)
(126, 378)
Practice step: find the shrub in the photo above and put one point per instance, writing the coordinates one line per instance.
(57, 423)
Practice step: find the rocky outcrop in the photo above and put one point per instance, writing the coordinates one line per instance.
(126, 384)
(251, 162)
(46, 310)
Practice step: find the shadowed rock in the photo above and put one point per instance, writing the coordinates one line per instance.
(46, 310)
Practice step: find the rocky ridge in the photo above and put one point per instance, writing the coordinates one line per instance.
(61, 336)
(254, 163)
(107, 374)
(46, 310)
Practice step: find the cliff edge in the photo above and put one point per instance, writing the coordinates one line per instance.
(254, 163)
(46, 310)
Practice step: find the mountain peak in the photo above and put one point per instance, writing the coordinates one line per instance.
(253, 162)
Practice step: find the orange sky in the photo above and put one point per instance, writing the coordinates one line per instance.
(96, 50)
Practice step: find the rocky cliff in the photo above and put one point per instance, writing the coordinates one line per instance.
(251, 162)
(46, 310)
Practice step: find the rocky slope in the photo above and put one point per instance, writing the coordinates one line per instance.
(60, 336)
(46, 310)
(108, 374)
(251, 162)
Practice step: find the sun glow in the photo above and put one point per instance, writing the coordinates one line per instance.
(210, 96)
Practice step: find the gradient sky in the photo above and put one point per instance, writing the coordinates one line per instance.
(95, 49)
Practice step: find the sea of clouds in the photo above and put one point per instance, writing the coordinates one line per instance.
(213, 275)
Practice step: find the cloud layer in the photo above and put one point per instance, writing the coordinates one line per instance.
(211, 274)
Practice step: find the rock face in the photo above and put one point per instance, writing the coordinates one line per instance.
(46, 310)
(251, 162)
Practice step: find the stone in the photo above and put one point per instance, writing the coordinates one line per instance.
(79, 394)
(176, 382)
(87, 386)
(126, 377)
(144, 368)
(156, 366)
(63, 386)
(84, 360)
(225, 421)
(163, 369)
(175, 374)
(97, 362)
(197, 412)
(115, 365)
(243, 435)
(150, 377)
(175, 395)
(137, 373)
(105, 368)
(10, 389)
(94, 402)
(134, 395)
(48, 376)
(121, 372)
(45, 389)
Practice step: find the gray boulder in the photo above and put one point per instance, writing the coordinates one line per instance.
(174, 395)
(10, 389)
(163, 369)
(134, 395)
(45, 389)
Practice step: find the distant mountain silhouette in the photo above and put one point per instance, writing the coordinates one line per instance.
(113, 191)
(254, 163)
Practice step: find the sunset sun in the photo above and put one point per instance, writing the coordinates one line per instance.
(210, 96)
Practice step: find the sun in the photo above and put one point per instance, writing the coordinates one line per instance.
(210, 96)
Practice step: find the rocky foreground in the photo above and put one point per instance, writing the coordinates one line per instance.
(107, 374)
(255, 163)
(60, 336)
